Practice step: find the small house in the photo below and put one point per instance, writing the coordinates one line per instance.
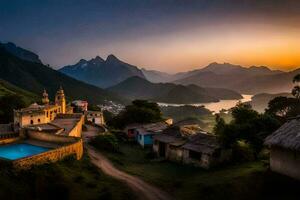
(190, 147)
(130, 130)
(145, 133)
(96, 117)
(168, 143)
(285, 149)
(205, 151)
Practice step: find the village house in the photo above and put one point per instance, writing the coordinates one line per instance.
(80, 106)
(95, 117)
(205, 151)
(285, 149)
(144, 133)
(40, 114)
(190, 146)
(131, 129)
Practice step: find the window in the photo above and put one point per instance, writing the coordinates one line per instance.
(195, 155)
(31, 121)
(39, 120)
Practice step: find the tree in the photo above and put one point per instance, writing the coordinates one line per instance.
(296, 89)
(7, 104)
(140, 111)
(296, 79)
(248, 126)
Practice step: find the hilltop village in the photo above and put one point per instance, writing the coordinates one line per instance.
(51, 132)
(47, 132)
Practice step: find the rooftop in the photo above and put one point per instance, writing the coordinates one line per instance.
(287, 136)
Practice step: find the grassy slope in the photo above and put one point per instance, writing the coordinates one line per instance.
(9, 89)
(68, 179)
(243, 181)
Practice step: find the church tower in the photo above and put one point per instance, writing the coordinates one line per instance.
(45, 99)
(60, 100)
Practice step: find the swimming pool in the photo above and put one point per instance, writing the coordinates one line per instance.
(20, 150)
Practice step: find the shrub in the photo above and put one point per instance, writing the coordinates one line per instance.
(107, 142)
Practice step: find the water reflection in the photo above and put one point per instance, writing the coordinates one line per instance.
(216, 106)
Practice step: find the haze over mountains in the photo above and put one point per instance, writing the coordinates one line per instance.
(139, 88)
(216, 81)
(252, 80)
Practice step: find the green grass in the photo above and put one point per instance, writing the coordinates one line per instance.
(237, 181)
(69, 179)
(9, 89)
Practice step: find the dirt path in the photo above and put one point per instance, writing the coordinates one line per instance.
(143, 190)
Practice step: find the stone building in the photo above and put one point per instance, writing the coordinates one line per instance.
(39, 114)
(187, 146)
(95, 117)
(285, 149)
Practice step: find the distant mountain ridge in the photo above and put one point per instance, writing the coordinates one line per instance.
(100, 72)
(139, 88)
(35, 77)
(251, 80)
(20, 52)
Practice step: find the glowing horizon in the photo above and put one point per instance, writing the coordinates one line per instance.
(169, 36)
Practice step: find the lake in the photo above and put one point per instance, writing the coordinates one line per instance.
(216, 106)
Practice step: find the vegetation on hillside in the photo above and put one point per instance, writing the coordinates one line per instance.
(35, 77)
(68, 179)
(7, 104)
(284, 108)
(251, 127)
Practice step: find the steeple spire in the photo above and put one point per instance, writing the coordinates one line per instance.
(45, 99)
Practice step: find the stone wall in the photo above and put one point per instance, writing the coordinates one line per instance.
(9, 140)
(43, 136)
(285, 161)
(51, 156)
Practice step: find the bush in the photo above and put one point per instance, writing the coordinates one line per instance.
(107, 142)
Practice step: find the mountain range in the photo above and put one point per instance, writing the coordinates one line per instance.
(100, 72)
(24, 69)
(252, 80)
(34, 77)
(139, 88)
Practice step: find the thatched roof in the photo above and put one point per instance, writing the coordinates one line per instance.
(287, 136)
(202, 142)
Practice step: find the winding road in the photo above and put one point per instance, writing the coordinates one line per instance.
(143, 190)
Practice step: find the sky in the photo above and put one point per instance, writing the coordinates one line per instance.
(165, 35)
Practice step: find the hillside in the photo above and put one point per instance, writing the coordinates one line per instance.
(20, 52)
(157, 76)
(9, 89)
(100, 72)
(251, 80)
(138, 88)
(260, 102)
(34, 77)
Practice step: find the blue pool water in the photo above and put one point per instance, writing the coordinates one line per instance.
(22, 150)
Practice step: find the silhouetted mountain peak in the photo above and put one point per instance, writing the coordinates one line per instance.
(112, 58)
(96, 60)
(20, 52)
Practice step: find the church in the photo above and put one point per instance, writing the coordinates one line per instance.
(45, 113)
